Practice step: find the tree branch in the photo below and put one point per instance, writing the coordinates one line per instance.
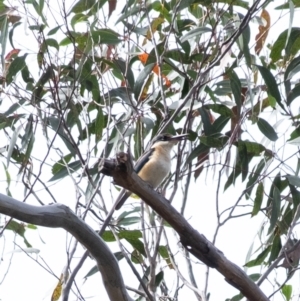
(121, 170)
(61, 216)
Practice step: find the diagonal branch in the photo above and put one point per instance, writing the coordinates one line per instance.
(121, 170)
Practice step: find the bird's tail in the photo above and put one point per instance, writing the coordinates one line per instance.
(123, 196)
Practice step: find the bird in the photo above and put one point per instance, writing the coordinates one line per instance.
(154, 165)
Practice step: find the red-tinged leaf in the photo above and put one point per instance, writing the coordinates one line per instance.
(111, 6)
(12, 54)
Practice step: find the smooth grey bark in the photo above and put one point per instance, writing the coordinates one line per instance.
(61, 216)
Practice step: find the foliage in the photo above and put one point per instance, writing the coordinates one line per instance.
(102, 76)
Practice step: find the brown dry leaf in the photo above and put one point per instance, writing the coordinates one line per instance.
(263, 32)
(12, 54)
(57, 291)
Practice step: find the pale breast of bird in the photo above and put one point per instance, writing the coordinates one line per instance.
(157, 167)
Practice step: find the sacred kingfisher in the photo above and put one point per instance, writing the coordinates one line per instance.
(154, 165)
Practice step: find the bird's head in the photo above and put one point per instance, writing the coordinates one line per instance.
(168, 139)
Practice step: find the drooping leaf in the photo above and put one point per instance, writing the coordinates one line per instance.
(140, 81)
(275, 212)
(159, 278)
(259, 259)
(276, 247)
(18, 228)
(258, 199)
(287, 291)
(267, 129)
(263, 31)
(271, 84)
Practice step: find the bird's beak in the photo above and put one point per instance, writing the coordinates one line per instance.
(179, 137)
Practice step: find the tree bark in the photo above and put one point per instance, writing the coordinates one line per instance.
(61, 216)
(121, 170)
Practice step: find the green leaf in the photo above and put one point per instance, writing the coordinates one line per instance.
(220, 123)
(52, 43)
(108, 236)
(259, 259)
(285, 41)
(15, 106)
(293, 94)
(267, 129)
(253, 148)
(214, 141)
(221, 109)
(130, 234)
(18, 228)
(65, 171)
(287, 75)
(276, 247)
(207, 126)
(184, 4)
(82, 5)
(201, 148)
(106, 36)
(258, 199)
(254, 277)
(287, 291)
(236, 298)
(16, 66)
(141, 80)
(194, 33)
(99, 125)
(293, 180)
(92, 271)
(126, 71)
(59, 165)
(129, 221)
(159, 278)
(138, 245)
(163, 252)
(287, 5)
(236, 88)
(54, 30)
(271, 84)
(275, 209)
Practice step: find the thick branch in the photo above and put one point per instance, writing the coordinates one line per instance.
(61, 216)
(122, 172)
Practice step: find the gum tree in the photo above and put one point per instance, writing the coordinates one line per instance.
(83, 81)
